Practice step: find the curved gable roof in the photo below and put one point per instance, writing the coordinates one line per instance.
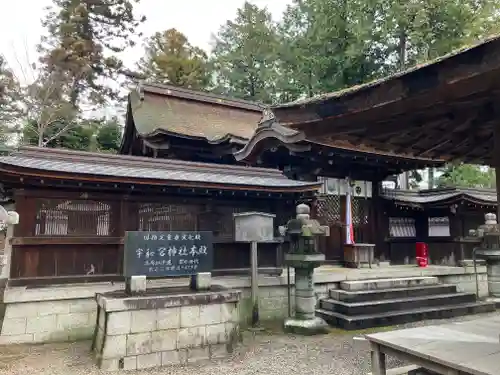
(187, 113)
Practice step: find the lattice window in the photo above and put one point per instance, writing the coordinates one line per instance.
(60, 217)
(439, 226)
(328, 209)
(210, 217)
(167, 217)
(360, 211)
(402, 227)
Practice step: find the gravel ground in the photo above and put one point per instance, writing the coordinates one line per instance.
(264, 353)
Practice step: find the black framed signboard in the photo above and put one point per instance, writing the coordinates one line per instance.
(163, 254)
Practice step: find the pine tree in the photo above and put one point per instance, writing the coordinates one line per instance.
(171, 59)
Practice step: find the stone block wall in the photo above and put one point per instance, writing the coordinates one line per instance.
(48, 321)
(171, 331)
(273, 301)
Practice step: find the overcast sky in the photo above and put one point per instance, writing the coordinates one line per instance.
(21, 29)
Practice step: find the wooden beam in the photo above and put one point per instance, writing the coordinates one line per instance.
(66, 240)
(446, 137)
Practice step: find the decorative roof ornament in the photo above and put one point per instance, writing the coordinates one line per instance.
(267, 119)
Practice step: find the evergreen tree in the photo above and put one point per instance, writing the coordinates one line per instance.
(9, 102)
(171, 59)
(422, 30)
(109, 135)
(244, 55)
(84, 39)
(326, 45)
(467, 175)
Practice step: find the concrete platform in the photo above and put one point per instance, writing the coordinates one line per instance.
(468, 348)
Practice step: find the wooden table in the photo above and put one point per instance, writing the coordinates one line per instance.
(462, 348)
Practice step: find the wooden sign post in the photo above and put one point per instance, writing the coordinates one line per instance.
(254, 227)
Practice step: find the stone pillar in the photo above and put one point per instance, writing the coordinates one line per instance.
(305, 298)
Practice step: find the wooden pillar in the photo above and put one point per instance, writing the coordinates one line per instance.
(496, 161)
(421, 226)
(380, 222)
(456, 233)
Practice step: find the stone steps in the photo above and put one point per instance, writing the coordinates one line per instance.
(378, 284)
(375, 295)
(398, 304)
(364, 304)
(403, 316)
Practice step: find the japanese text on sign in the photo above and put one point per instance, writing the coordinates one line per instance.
(168, 253)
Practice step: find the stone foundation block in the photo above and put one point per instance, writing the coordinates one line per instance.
(149, 360)
(142, 332)
(142, 321)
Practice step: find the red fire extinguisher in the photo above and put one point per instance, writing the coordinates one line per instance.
(422, 254)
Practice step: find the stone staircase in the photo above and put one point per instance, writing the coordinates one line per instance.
(364, 304)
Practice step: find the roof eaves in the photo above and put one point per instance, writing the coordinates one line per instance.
(359, 88)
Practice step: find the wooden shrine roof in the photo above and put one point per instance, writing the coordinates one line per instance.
(440, 196)
(444, 109)
(155, 109)
(362, 162)
(77, 165)
(288, 135)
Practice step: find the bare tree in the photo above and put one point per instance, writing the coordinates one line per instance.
(49, 113)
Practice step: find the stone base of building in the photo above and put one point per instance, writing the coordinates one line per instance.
(168, 326)
(315, 326)
(60, 313)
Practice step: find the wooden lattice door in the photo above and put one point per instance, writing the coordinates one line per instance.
(330, 211)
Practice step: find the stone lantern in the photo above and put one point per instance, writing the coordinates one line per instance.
(7, 221)
(302, 234)
(489, 250)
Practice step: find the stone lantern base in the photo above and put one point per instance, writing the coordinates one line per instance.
(305, 322)
(314, 326)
